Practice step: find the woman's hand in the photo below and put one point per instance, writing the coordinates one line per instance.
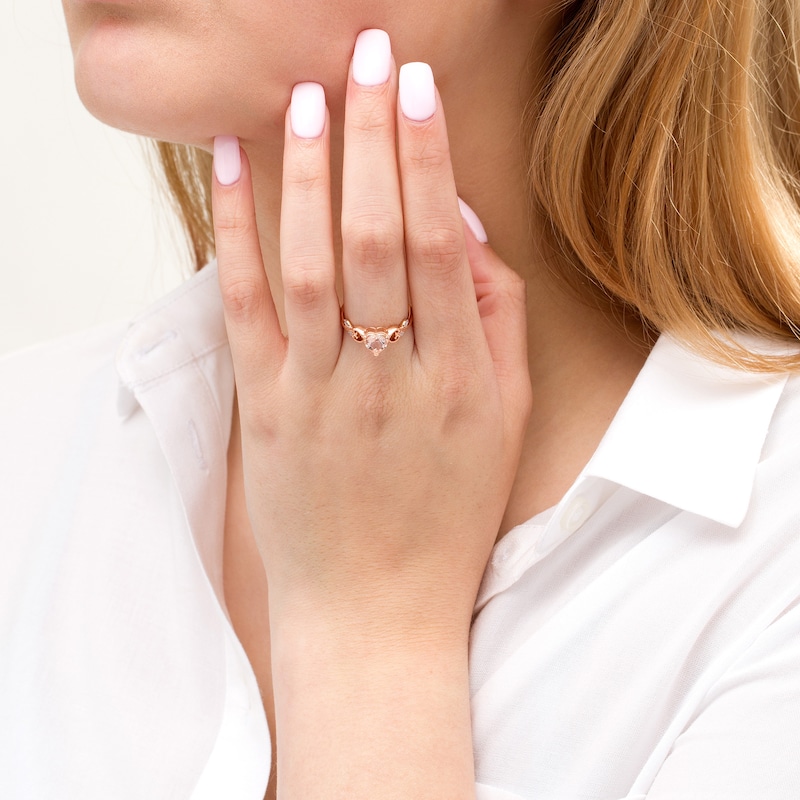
(375, 485)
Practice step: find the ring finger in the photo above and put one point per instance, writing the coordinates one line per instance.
(373, 263)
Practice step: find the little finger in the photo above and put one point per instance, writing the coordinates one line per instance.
(446, 318)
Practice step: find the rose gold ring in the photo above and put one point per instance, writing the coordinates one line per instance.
(376, 339)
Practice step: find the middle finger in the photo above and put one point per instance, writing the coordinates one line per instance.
(373, 264)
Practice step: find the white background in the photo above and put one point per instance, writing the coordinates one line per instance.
(84, 235)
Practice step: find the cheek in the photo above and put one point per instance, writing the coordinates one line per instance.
(186, 78)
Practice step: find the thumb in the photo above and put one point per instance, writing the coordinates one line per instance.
(501, 296)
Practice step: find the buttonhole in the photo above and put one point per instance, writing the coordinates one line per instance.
(167, 337)
(197, 447)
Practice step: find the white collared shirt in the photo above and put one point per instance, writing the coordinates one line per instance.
(641, 639)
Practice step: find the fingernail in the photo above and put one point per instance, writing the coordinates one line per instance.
(475, 225)
(308, 110)
(227, 159)
(372, 59)
(417, 91)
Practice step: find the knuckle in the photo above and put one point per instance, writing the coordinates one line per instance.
(235, 225)
(372, 240)
(305, 176)
(241, 295)
(440, 246)
(458, 390)
(429, 156)
(306, 288)
(371, 123)
(309, 181)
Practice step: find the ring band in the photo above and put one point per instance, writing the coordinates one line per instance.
(376, 339)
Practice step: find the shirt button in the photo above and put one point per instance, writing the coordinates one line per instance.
(501, 555)
(575, 514)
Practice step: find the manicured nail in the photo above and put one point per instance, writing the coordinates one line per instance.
(417, 92)
(227, 159)
(475, 225)
(308, 110)
(372, 59)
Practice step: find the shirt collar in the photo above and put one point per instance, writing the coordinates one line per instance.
(179, 329)
(690, 432)
(174, 362)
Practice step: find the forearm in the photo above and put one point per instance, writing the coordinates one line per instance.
(371, 716)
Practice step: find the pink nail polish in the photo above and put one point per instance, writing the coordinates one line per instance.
(227, 159)
(307, 111)
(417, 91)
(372, 58)
(475, 225)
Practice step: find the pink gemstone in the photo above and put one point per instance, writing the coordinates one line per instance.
(376, 342)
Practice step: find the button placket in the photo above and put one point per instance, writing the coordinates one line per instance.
(578, 505)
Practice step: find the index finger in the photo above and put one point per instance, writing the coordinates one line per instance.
(254, 333)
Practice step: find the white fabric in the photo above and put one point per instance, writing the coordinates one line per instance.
(642, 640)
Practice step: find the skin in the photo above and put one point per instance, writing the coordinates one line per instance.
(353, 598)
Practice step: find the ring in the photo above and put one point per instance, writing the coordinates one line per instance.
(376, 339)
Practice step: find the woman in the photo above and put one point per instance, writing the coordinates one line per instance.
(538, 538)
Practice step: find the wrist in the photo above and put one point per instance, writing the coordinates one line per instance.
(367, 713)
(371, 618)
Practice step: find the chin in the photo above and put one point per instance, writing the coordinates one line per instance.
(126, 80)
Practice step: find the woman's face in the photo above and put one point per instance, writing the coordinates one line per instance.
(187, 70)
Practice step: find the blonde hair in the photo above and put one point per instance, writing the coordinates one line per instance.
(186, 177)
(665, 154)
